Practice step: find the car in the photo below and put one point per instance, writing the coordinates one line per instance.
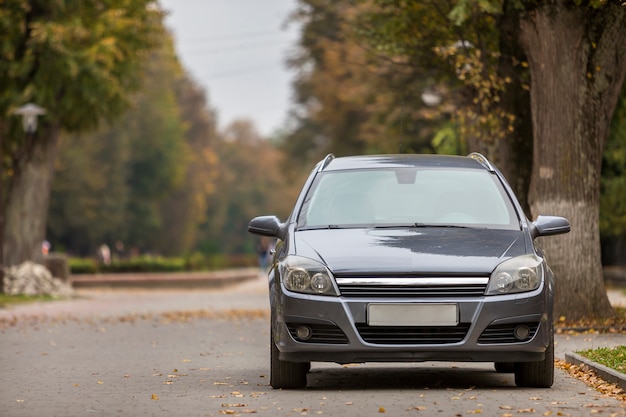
(409, 258)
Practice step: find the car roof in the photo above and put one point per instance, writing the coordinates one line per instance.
(475, 161)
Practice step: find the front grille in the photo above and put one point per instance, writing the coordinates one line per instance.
(505, 333)
(412, 287)
(401, 335)
(320, 333)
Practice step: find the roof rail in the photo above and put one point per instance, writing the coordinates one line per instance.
(326, 161)
(481, 159)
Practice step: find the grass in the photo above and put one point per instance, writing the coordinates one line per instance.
(614, 358)
(6, 299)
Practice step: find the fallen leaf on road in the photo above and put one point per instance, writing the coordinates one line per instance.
(382, 410)
(154, 397)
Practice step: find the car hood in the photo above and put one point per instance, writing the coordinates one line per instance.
(428, 250)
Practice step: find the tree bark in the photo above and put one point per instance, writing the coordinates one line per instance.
(26, 210)
(577, 63)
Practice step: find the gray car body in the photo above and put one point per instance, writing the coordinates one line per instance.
(407, 255)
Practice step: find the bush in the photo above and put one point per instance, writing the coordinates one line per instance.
(146, 263)
(83, 266)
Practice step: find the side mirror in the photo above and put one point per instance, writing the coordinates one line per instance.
(550, 225)
(267, 226)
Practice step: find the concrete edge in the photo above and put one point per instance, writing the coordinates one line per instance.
(608, 374)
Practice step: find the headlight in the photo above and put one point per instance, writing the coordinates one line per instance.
(307, 276)
(520, 274)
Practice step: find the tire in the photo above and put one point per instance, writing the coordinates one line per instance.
(537, 374)
(505, 367)
(283, 374)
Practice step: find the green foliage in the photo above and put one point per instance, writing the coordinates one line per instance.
(145, 263)
(8, 300)
(154, 264)
(613, 180)
(79, 60)
(114, 185)
(82, 265)
(249, 183)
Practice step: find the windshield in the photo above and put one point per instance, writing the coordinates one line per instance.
(407, 197)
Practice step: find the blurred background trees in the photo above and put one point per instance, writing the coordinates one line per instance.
(160, 178)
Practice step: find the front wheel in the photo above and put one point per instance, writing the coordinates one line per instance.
(283, 374)
(537, 374)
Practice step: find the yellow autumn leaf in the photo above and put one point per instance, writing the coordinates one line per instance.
(154, 397)
(382, 410)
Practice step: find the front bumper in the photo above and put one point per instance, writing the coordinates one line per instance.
(340, 333)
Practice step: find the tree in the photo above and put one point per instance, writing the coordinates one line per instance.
(249, 183)
(81, 61)
(143, 180)
(577, 65)
(185, 208)
(568, 54)
(364, 66)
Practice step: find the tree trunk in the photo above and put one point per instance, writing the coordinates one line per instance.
(577, 63)
(26, 211)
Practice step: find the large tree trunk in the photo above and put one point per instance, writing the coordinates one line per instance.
(577, 62)
(26, 211)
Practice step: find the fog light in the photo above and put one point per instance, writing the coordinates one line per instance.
(303, 332)
(522, 332)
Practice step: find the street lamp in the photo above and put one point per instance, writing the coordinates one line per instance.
(431, 97)
(29, 113)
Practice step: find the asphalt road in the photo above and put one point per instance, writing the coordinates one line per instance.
(206, 353)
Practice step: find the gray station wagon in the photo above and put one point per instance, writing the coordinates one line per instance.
(409, 258)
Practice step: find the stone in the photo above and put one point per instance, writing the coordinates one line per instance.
(30, 278)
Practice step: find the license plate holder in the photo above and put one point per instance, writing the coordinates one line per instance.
(413, 314)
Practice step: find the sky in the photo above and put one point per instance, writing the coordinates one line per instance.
(236, 50)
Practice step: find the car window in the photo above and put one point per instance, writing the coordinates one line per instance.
(407, 196)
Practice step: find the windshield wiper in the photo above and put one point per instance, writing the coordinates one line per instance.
(418, 225)
(321, 227)
(443, 225)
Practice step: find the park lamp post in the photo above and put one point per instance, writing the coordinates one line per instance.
(29, 113)
(431, 97)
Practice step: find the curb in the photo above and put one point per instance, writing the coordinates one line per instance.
(164, 280)
(608, 374)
